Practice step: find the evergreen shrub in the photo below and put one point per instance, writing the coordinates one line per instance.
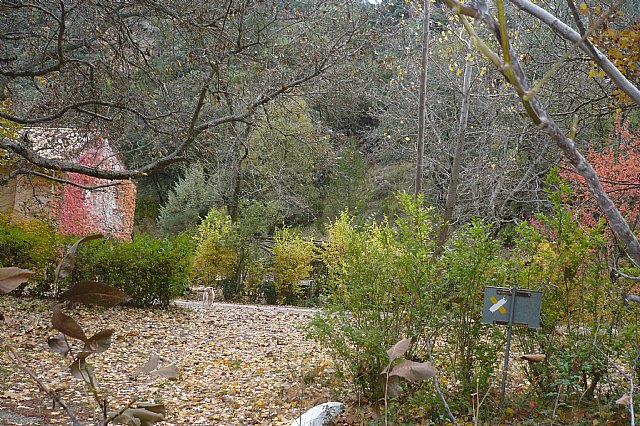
(152, 271)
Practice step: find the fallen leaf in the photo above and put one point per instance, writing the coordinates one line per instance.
(170, 372)
(148, 367)
(150, 406)
(139, 417)
(228, 360)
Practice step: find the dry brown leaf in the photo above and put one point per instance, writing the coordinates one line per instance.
(148, 367)
(81, 369)
(58, 344)
(231, 352)
(95, 293)
(533, 357)
(67, 325)
(399, 349)
(139, 417)
(153, 407)
(68, 262)
(99, 342)
(624, 400)
(170, 372)
(413, 371)
(391, 385)
(12, 277)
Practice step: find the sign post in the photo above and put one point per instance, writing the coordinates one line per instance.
(511, 306)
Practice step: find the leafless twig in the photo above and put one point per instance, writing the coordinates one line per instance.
(52, 394)
(439, 391)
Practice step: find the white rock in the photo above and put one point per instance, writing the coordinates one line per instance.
(320, 415)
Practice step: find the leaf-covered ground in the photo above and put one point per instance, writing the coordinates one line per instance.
(238, 365)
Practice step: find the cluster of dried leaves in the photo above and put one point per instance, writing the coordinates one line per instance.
(409, 370)
(214, 366)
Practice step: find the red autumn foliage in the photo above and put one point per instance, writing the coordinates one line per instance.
(108, 210)
(618, 167)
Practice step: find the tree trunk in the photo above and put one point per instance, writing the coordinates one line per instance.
(241, 141)
(456, 166)
(234, 203)
(423, 96)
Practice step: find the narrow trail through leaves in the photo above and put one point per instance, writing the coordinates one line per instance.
(237, 365)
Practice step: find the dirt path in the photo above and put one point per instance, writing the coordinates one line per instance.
(192, 304)
(239, 364)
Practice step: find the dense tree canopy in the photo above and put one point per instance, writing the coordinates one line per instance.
(161, 76)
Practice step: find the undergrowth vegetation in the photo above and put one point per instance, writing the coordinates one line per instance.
(152, 271)
(386, 285)
(33, 245)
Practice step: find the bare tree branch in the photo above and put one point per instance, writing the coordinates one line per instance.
(104, 78)
(515, 73)
(46, 389)
(628, 277)
(566, 32)
(66, 181)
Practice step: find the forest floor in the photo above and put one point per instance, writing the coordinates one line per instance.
(239, 364)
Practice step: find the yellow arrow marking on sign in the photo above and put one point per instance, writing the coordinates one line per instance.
(499, 307)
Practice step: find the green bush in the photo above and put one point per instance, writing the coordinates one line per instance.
(386, 285)
(33, 245)
(231, 253)
(269, 290)
(582, 313)
(218, 252)
(292, 262)
(152, 271)
(471, 261)
(382, 290)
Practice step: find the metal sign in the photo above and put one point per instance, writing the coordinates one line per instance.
(499, 304)
(511, 306)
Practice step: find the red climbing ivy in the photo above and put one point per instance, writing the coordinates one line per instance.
(109, 209)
